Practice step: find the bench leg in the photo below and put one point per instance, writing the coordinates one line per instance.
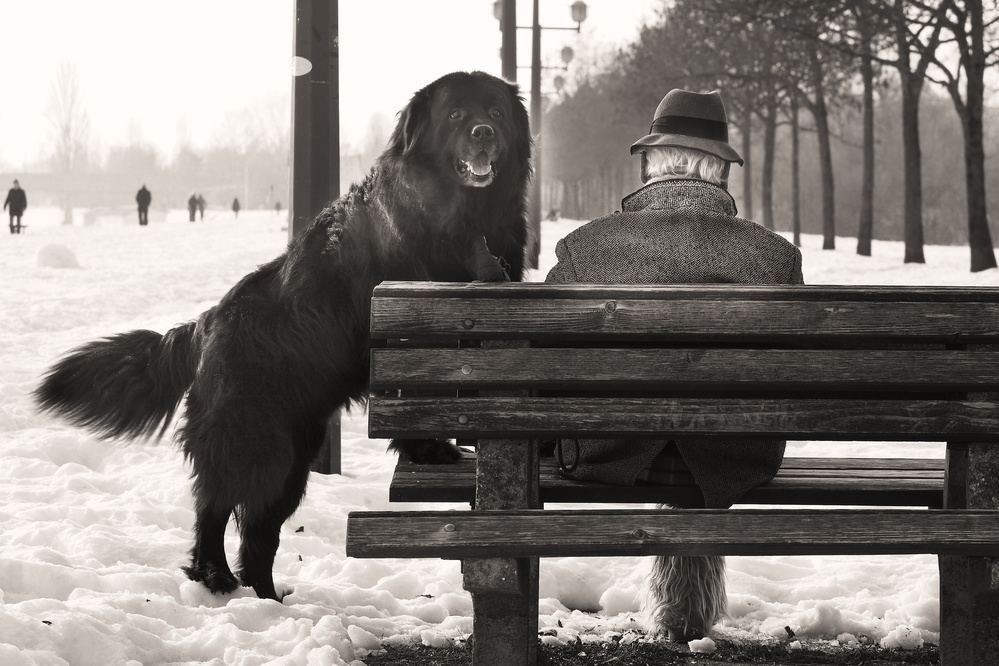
(504, 590)
(504, 610)
(962, 580)
(969, 604)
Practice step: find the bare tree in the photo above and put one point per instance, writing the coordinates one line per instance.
(70, 126)
(973, 29)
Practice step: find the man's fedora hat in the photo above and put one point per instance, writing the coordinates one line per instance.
(692, 120)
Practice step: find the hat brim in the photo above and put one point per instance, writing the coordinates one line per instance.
(719, 149)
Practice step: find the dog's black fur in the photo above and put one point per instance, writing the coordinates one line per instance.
(265, 368)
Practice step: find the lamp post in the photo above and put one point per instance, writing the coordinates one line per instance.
(503, 11)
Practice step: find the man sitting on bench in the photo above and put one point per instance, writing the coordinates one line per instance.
(680, 227)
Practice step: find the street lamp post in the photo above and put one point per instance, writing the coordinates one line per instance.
(503, 11)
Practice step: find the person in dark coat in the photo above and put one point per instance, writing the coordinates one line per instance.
(192, 206)
(235, 207)
(143, 198)
(15, 203)
(201, 208)
(680, 227)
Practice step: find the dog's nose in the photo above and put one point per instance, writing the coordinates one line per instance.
(481, 132)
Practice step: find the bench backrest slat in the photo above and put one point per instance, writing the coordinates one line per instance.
(534, 417)
(683, 312)
(688, 368)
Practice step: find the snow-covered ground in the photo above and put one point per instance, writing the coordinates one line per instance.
(93, 534)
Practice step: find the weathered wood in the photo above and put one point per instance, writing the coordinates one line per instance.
(738, 369)
(547, 533)
(969, 602)
(704, 312)
(834, 481)
(505, 589)
(962, 580)
(541, 290)
(665, 418)
(693, 362)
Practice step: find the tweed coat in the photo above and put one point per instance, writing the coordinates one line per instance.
(678, 231)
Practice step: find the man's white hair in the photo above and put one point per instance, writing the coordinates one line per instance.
(663, 162)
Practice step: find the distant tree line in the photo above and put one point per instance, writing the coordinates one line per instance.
(248, 158)
(831, 95)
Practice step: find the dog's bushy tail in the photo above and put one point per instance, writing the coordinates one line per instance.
(127, 385)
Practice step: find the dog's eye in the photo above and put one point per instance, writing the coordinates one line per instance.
(455, 114)
(496, 112)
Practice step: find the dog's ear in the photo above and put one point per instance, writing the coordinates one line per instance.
(413, 121)
(522, 123)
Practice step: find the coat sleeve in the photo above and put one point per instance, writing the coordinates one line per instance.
(796, 275)
(563, 271)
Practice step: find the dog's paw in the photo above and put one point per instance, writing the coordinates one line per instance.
(208, 574)
(427, 451)
(484, 266)
(486, 272)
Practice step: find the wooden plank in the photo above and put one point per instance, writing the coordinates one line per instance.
(953, 294)
(843, 481)
(539, 368)
(806, 419)
(540, 533)
(693, 319)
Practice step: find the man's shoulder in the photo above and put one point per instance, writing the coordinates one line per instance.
(601, 226)
(764, 234)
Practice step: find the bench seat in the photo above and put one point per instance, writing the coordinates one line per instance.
(803, 481)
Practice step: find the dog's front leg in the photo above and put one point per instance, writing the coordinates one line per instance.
(482, 264)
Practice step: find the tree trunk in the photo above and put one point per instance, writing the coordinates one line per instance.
(912, 158)
(795, 173)
(912, 88)
(769, 148)
(821, 115)
(979, 237)
(865, 227)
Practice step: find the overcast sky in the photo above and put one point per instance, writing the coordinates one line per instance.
(161, 70)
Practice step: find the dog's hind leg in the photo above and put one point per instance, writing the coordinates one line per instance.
(260, 522)
(208, 561)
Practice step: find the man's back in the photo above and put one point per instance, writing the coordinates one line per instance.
(676, 232)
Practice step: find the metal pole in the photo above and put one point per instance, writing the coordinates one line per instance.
(508, 52)
(315, 144)
(315, 163)
(535, 209)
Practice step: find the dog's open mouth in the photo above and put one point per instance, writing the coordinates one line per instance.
(478, 172)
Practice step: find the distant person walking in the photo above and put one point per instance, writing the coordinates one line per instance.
(277, 208)
(18, 201)
(143, 199)
(192, 206)
(235, 207)
(201, 208)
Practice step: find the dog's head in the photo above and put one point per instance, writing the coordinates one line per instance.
(471, 126)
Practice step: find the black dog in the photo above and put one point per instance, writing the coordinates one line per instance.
(265, 368)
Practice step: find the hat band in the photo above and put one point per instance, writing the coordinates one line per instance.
(700, 128)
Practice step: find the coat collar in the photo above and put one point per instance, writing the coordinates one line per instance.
(680, 193)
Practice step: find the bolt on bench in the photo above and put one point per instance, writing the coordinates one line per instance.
(503, 366)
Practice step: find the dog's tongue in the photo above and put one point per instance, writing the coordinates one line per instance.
(480, 164)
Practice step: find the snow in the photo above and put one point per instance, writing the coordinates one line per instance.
(94, 533)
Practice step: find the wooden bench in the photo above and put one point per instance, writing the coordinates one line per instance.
(505, 366)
